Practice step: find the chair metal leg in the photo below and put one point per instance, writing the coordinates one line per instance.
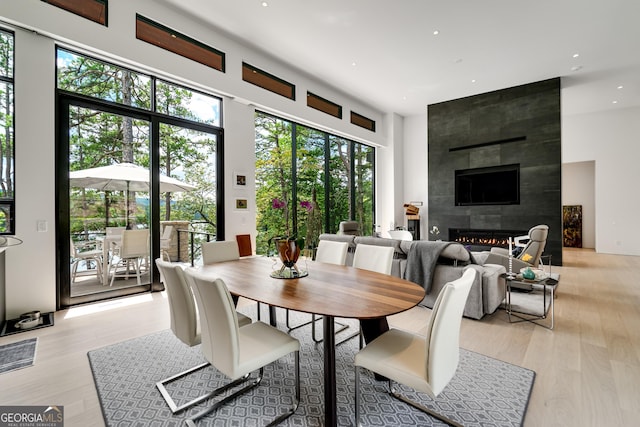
(315, 318)
(312, 322)
(291, 328)
(422, 408)
(161, 385)
(192, 421)
(356, 334)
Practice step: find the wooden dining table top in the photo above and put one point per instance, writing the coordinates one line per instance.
(328, 289)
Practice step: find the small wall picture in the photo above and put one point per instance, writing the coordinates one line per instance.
(239, 180)
(242, 204)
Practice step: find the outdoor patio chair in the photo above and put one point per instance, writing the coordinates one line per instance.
(87, 252)
(131, 251)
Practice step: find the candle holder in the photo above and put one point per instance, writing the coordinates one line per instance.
(510, 274)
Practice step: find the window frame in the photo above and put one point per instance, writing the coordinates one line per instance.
(10, 202)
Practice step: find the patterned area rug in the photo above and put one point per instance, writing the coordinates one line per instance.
(485, 391)
(17, 355)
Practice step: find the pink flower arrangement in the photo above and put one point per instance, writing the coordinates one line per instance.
(278, 204)
(306, 205)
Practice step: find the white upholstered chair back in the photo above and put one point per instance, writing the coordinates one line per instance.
(219, 251)
(373, 258)
(332, 252)
(218, 322)
(182, 305)
(236, 351)
(443, 331)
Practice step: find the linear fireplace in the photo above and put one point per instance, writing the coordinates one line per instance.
(483, 239)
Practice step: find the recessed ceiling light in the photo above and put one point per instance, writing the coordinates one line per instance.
(473, 80)
(353, 63)
(615, 102)
(620, 87)
(265, 4)
(436, 32)
(575, 55)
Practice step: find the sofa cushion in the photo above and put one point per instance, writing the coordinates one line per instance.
(382, 241)
(456, 251)
(339, 238)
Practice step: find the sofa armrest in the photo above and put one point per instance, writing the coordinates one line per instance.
(500, 251)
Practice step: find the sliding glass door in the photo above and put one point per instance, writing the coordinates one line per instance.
(139, 170)
(109, 181)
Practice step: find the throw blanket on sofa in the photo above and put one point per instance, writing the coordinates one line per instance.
(421, 261)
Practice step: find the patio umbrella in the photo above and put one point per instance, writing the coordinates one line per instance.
(123, 177)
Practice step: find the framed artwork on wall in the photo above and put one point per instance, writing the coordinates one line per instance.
(239, 180)
(572, 226)
(242, 204)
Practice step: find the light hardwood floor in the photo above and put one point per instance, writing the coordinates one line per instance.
(588, 367)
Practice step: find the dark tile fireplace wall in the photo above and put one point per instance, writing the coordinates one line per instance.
(515, 125)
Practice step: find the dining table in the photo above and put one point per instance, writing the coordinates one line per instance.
(328, 290)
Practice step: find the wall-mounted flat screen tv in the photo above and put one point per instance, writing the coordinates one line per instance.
(496, 185)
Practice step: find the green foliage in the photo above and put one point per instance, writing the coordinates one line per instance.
(98, 139)
(7, 162)
(305, 217)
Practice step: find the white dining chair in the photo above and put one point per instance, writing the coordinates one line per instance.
(185, 326)
(221, 251)
(426, 363)
(234, 351)
(372, 258)
(329, 252)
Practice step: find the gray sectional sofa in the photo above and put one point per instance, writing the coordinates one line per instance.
(487, 292)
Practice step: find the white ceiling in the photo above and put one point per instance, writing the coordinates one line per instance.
(385, 53)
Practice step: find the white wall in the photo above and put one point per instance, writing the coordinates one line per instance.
(389, 177)
(30, 268)
(578, 188)
(611, 139)
(415, 166)
(239, 157)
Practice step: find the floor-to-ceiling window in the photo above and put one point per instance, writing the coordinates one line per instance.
(308, 181)
(7, 194)
(134, 153)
